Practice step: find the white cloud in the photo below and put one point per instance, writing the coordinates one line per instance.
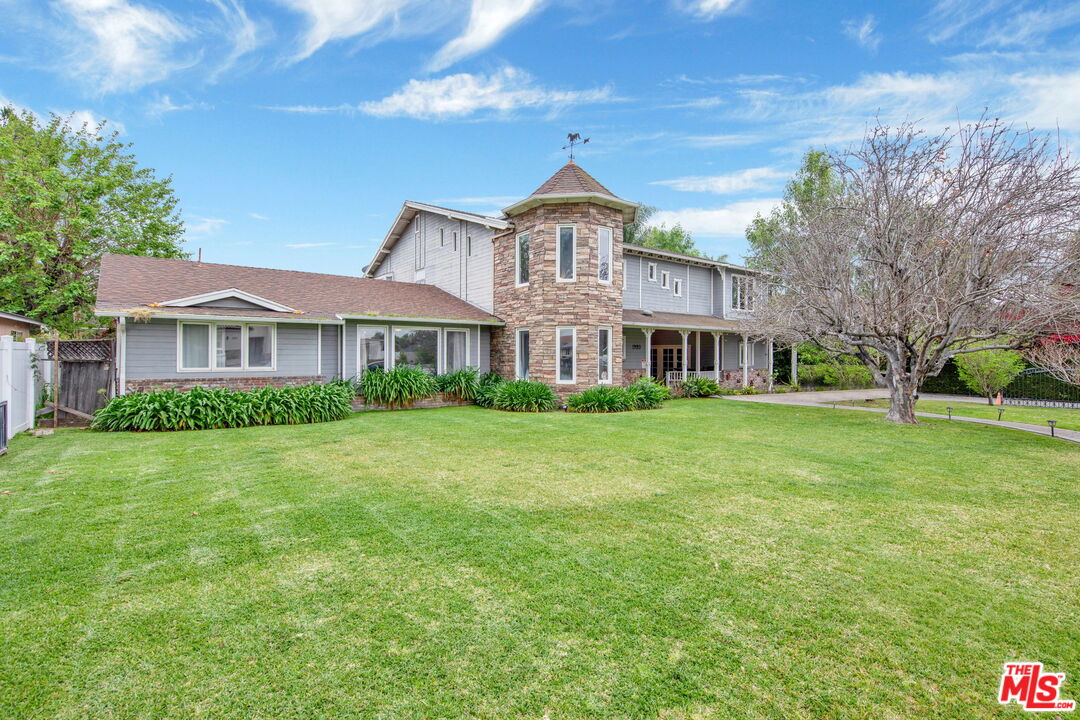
(202, 226)
(305, 246)
(257, 216)
(725, 221)
(727, 140)
(121, 45)
(330, 20)
(864, 32)
(1049, 101)
(727, 184)
(708, 9)
(464, 94)
(241, 31)
(999, 23)
(489, 20)
(164, 105)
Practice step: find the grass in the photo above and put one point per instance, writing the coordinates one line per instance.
(710, 559)
(1066, 419)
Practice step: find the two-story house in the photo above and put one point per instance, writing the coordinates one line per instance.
(547, 291)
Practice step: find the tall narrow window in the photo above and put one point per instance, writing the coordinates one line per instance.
(371, 347)
(457, 354)
(230, 346)
(522, 259)
(260, 343)
(194, 346)
(420, 250)
(652, 272)
(566, 354)
(522, 355)
(453, 237)
(677, 287)
(603, 354)
(665, 279)
(603, 270)
(468, 245)
(567, 250)
(442, 237)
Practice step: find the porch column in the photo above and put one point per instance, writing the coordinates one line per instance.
(716, 355)
(697, 350)
(648, 350)
(794, 365)
(769, 349)
(685, 352)
(746, 361)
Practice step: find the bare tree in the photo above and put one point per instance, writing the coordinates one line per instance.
(1059, 355)
(932, 246)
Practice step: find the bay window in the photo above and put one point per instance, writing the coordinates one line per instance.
(566, 354)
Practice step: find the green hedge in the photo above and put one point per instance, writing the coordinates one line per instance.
(202, 409)
(642, 394)
(523, 396)
(399, 387)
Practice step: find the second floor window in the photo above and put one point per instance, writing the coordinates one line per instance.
(521, 272)
(665, 279)
(567, 246)
(603, 272)
(453, 236)
(677, 287)
(742, 297)
(652, 272)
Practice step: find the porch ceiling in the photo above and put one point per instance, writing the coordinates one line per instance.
(680, 321)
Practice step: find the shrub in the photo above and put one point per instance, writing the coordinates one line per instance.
(202, 409)
(523, 396)
(461, 384)
(699, 387)
(600, 399)
(646, 394)
(399, 387)
(812, 374)
(847, 375)
(490, 378)
(748, 390)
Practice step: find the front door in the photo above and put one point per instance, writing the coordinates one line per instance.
(665, 359)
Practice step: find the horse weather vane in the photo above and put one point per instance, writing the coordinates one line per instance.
(575, 139)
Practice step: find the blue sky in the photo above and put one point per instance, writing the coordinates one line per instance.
(294, 129)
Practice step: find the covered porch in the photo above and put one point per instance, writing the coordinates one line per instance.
(670, 347)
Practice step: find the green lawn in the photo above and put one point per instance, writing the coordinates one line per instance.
(713, 559)
(1066, 419)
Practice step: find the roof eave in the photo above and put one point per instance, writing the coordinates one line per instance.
(409, 318)
(629, 209)
(155, 314)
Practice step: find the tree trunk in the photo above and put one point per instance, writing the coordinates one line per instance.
(902, 389)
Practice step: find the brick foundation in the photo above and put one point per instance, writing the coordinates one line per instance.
(545, 304)
(436, 401)
(232, 383)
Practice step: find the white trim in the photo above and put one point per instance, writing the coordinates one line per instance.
(651, 276)
(193, 317)
(558, 254)
(611, 254)
(213, 367)
(573, 354)
(517, 353)
(222, 294)
(388, 361)
(678, 327)
(122, 357)
(468, 354)
(610, 355)
(517, 258)
(403, 319)
(665, 279)
(438, 345)
(643, 251)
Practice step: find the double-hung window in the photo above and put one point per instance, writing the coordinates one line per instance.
(225, 346)
(522, 361)
(742, 293)
(521, 260)
(566, 237)
(603, 268)
(566, 354)
(603, 354)
(456, 347)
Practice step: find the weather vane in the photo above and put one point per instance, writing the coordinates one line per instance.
(575, 139)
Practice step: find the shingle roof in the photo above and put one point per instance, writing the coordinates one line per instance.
(571, 179)
(679, 320)
(128, 282)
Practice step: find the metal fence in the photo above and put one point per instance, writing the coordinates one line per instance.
(1037, 387)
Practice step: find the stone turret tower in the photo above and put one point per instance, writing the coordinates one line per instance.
(558, 284)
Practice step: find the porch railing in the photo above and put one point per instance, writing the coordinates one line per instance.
(674, 377)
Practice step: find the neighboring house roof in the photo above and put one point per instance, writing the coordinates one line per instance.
(682, 321)
(409, 210)
(682, 257)
(20, 318)
(572, 184)
(129, 284)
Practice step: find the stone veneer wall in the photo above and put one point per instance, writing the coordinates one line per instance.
(544, 304)
(233, 383)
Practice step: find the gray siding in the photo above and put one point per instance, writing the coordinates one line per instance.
(641, 294)
(467, 276)
(479, 342)
(632, 356)
(151, 352)
(330, 350)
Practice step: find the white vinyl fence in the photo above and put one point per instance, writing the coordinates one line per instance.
(17, 384)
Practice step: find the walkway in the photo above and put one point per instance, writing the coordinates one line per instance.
(821, 398)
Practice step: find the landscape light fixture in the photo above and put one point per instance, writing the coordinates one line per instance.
(950, 412)
(1051, 423)
(1000, 411)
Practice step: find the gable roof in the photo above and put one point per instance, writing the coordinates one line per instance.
(129, 283)
(409, 210)
(571, 183)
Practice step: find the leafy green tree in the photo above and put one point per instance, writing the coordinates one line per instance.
(814, 183)
(66, 197)
(989, 371)
(636, 231)
(677, 239)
